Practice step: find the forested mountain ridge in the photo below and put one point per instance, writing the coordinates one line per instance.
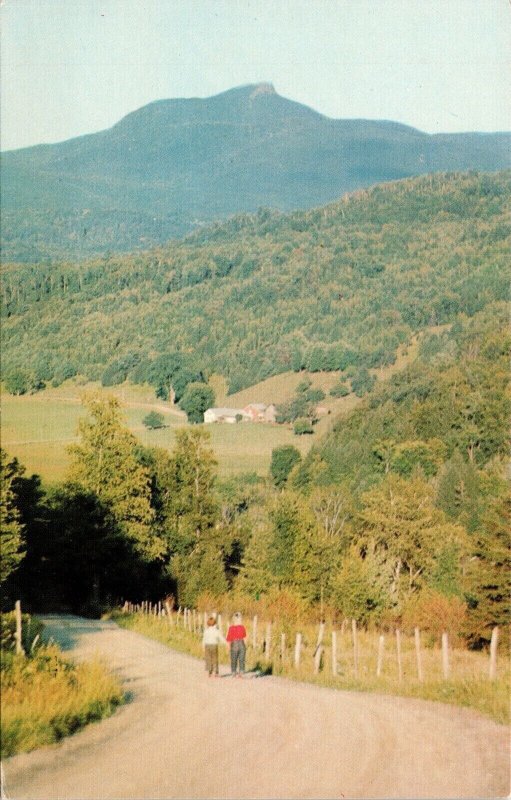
(336, 287)
(175, 164)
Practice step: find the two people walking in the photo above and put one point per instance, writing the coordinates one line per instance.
(236, 636)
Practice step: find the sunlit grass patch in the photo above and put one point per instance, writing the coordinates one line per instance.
(46, 697)
(468, 683)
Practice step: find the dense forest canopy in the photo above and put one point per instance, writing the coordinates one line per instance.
(329, 289)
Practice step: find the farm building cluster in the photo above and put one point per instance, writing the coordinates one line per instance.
(254, 412)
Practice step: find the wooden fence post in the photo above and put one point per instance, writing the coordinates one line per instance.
(282, 646)
(399, 659)
(381, 645)
(445, 655)
(355, 646)
(334, 653)
(298, 646)
(493, 653)
(267, 642)
(418, 655)
(169, 612)
(317, 659)
(321, 633)
(19, 646)
(254, 632)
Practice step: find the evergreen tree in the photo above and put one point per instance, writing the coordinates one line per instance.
(459, 491)
(256, 576)
(288, 522)
(360, 586)
(488, 577)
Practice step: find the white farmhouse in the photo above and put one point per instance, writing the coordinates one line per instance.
(224, 415)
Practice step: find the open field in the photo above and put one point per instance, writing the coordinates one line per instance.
(38, 428)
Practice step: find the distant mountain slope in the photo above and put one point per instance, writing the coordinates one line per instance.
(333, 288)
(174, 164)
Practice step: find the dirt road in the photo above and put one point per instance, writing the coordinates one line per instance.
(186, 736)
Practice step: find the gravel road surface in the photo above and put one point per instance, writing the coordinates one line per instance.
(184, 735)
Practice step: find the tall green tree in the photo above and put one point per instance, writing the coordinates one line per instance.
(11, 530)
(283, 459)
(105, 463)
(488, 576)
(197, 398)
(326, 533)
(400, 524)
(191, 516)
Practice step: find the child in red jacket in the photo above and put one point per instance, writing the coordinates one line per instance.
(236, 636)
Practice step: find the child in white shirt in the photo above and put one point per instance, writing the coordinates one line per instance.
(211, 639)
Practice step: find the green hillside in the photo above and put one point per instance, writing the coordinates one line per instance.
(173, 165)
(336, 288)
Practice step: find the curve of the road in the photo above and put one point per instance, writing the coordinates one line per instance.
(186, 736)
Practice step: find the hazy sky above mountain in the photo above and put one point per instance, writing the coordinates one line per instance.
(77, 66)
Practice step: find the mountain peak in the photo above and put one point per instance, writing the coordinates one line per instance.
(262, 88)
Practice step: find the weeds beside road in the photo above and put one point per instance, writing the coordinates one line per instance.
(468, 685)
(46, 697)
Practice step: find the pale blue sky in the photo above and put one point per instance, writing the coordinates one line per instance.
(76, 66)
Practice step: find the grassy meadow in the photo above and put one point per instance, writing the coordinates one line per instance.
(38, 428)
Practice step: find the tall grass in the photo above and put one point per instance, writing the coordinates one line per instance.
(46, 697)
(468, 683)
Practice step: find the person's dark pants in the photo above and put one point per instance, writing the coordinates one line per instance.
(238, 650)
(211, 655)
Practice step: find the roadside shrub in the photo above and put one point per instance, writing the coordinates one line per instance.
(46, 697)
(435, 613)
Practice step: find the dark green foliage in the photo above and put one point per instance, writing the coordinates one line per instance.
(424, 414)
(283, 459)
(362, 382)
(154, 420)
(171, 312)
(488, 578)
(196, 399)
(340, 390)
(17, 382)
(303, 426)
